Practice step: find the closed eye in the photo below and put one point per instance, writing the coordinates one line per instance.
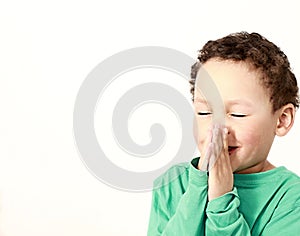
(204, 113)
(238, 115)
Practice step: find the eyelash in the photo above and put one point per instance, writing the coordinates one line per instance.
(232, 114)
(238, 115)
(204, 113)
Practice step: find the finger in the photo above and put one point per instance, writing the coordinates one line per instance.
(218, 140)
(204, 166)
(217, 145)
(206, 151)
(215, 133)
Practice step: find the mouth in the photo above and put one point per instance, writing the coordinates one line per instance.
(232, 149)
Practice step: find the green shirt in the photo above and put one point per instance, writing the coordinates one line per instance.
(265, 203)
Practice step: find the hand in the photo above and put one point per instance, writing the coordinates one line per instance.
(217, 162)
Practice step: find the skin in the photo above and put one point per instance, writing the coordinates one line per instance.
(250, 125)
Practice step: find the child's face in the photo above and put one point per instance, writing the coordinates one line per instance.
(249, 117)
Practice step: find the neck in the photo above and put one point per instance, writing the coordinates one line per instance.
(260, 167)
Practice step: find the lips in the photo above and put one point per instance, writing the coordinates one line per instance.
(232, 149)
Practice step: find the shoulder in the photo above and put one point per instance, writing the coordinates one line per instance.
(290, 186)
(290, 180)
(177, 178)
(177, 174)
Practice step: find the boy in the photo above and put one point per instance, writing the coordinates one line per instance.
(233, 189)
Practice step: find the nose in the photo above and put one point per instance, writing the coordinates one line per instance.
(228, 125)
(228, 130)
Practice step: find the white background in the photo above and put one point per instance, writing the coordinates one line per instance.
(46, 51)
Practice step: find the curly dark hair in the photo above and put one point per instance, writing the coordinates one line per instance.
(260, 54)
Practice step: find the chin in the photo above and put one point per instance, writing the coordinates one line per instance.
(239, 169)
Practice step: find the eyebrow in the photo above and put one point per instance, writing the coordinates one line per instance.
(240, 102)
(200, 100)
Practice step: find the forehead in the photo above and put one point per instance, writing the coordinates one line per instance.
(234, 81)
(201, 100)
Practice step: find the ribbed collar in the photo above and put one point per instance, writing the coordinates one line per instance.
(240, 179)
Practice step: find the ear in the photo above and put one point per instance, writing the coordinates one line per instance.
(286, 117)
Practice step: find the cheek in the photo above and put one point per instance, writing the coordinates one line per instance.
(249, 136)
(254, 134)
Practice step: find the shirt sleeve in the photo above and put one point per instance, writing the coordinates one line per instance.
(224, 218)
(185, 216)
(286, 221)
